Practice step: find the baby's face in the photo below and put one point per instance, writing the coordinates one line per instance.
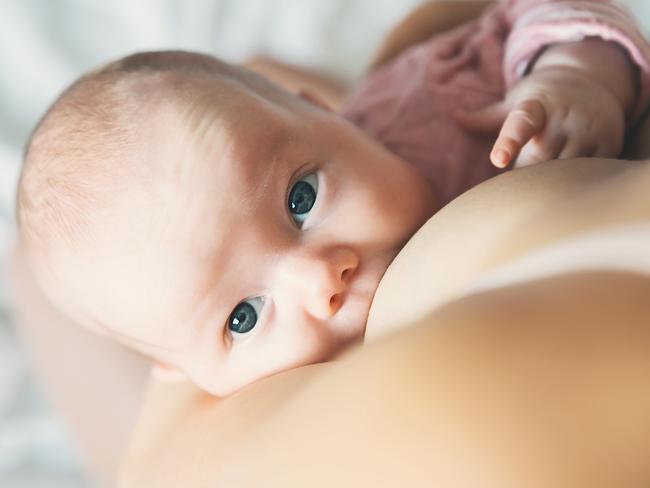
(257, 248)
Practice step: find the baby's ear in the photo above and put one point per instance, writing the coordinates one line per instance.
(315, 99)
(166, 373)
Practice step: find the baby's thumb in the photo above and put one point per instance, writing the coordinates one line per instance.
(488, 120)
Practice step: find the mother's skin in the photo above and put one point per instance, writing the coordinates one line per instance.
(546, 383)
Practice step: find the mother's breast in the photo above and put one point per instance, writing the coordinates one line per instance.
(488, 226)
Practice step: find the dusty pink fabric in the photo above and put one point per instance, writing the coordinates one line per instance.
(408, 104)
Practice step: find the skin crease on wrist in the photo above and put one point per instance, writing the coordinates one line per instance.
(600, 60)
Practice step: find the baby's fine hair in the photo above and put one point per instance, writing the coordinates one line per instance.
(80, 154)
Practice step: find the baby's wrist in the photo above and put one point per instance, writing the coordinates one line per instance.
(602, 62)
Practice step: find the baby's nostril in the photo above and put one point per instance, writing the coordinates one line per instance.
(335, 301)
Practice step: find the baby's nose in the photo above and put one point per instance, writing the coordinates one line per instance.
(319, 280)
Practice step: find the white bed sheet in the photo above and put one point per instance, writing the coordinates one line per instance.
(45, 44)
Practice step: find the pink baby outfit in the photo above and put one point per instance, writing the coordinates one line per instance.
(408, 104)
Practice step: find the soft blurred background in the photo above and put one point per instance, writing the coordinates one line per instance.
(46, 44)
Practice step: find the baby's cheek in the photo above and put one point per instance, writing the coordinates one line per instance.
(388, 216)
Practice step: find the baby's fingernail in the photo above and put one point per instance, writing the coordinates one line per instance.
(500, 158)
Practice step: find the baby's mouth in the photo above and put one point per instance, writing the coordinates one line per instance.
(370, 286)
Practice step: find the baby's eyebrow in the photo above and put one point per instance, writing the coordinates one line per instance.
(265, 170)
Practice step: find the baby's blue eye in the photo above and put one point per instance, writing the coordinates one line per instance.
(244, 317)
(302, 197)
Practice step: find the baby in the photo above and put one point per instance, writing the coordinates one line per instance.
(229, 230)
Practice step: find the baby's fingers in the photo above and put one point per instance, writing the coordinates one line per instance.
(523, 122)
(543, 147)
(577, 147)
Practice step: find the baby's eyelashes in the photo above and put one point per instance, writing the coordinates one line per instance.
(302, 197)
(244, 316)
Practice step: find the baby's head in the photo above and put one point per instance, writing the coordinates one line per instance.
(210, 220)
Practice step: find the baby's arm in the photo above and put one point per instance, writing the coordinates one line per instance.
(300, 80)
(574, 54)
(574, 103)
(94, 384)
(424, 21)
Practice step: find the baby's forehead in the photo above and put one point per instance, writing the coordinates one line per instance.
(240, 135)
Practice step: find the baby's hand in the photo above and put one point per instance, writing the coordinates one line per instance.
(553, 113)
